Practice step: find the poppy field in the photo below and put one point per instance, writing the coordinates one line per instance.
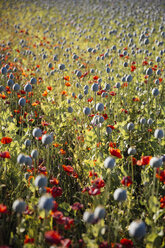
(82, 104)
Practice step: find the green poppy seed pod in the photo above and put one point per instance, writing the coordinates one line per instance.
(117, 85)
(99, 212)
(129, 78)
(46, 203)
(131, 151)
(28, 88)
(80, 96)
(86, 111)
(125, 64)
(143, 121)
(99, 80)
(158, 72)
(16, 87)
(157, 81)
(158, 134)
(120, 195)
(61, 66)
(85, 92)
(40, 181)
(95, 87)
(149, 121)
(99, 107)
(22, 102)
(146, 41)
(89, 50)
(37, 132)
(78, 74)
(34, 154)
(21, 159)
(46, 139)
(26, 175)
(19, 206)
(50, 65)
(33, 80)
(70, 109)
(130, 126)
(108, 130)
(88, 217)
(28, 160)
(86, 87)
(3, 70)
(149, 71)
(109, 163)
(158, 59)
(10, 83)
(107, 86)
(2, 88)
(155, 92)
(156, 162)
(137, 229)
(55, 58)
(27, 143)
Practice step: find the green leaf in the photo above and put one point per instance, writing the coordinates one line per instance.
(153, 204)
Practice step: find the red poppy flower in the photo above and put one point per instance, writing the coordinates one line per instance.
(49, 88)
(145, 63)
(86, 189)
(92, 174)
(161, 175)
(104, 244)
(112, 93)
(55, 206)
(116, 245)
(112, 127)
(162, 201)
(77, 206)
(68, 168)
(3, 208)
(98, 183)
(67, 84)
(95, 77)
(5, 154)
(126, 243)
(62, 151)
(58, 215)
(124, 85)
(45, 93)
(67, 222)
(105, 116)
(90, 99)
(6, 140)
(126, 181)
(54, 181)
(56, 191)
(53, 237)
(66, 243)
(28, 240)
(84, 75)
(67, 78)
(112, 144)
(94, 191)
(23, 92)
(115, 152)
(135, 99)
(144, 160)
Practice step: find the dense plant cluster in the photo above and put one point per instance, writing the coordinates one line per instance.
(82, 108)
